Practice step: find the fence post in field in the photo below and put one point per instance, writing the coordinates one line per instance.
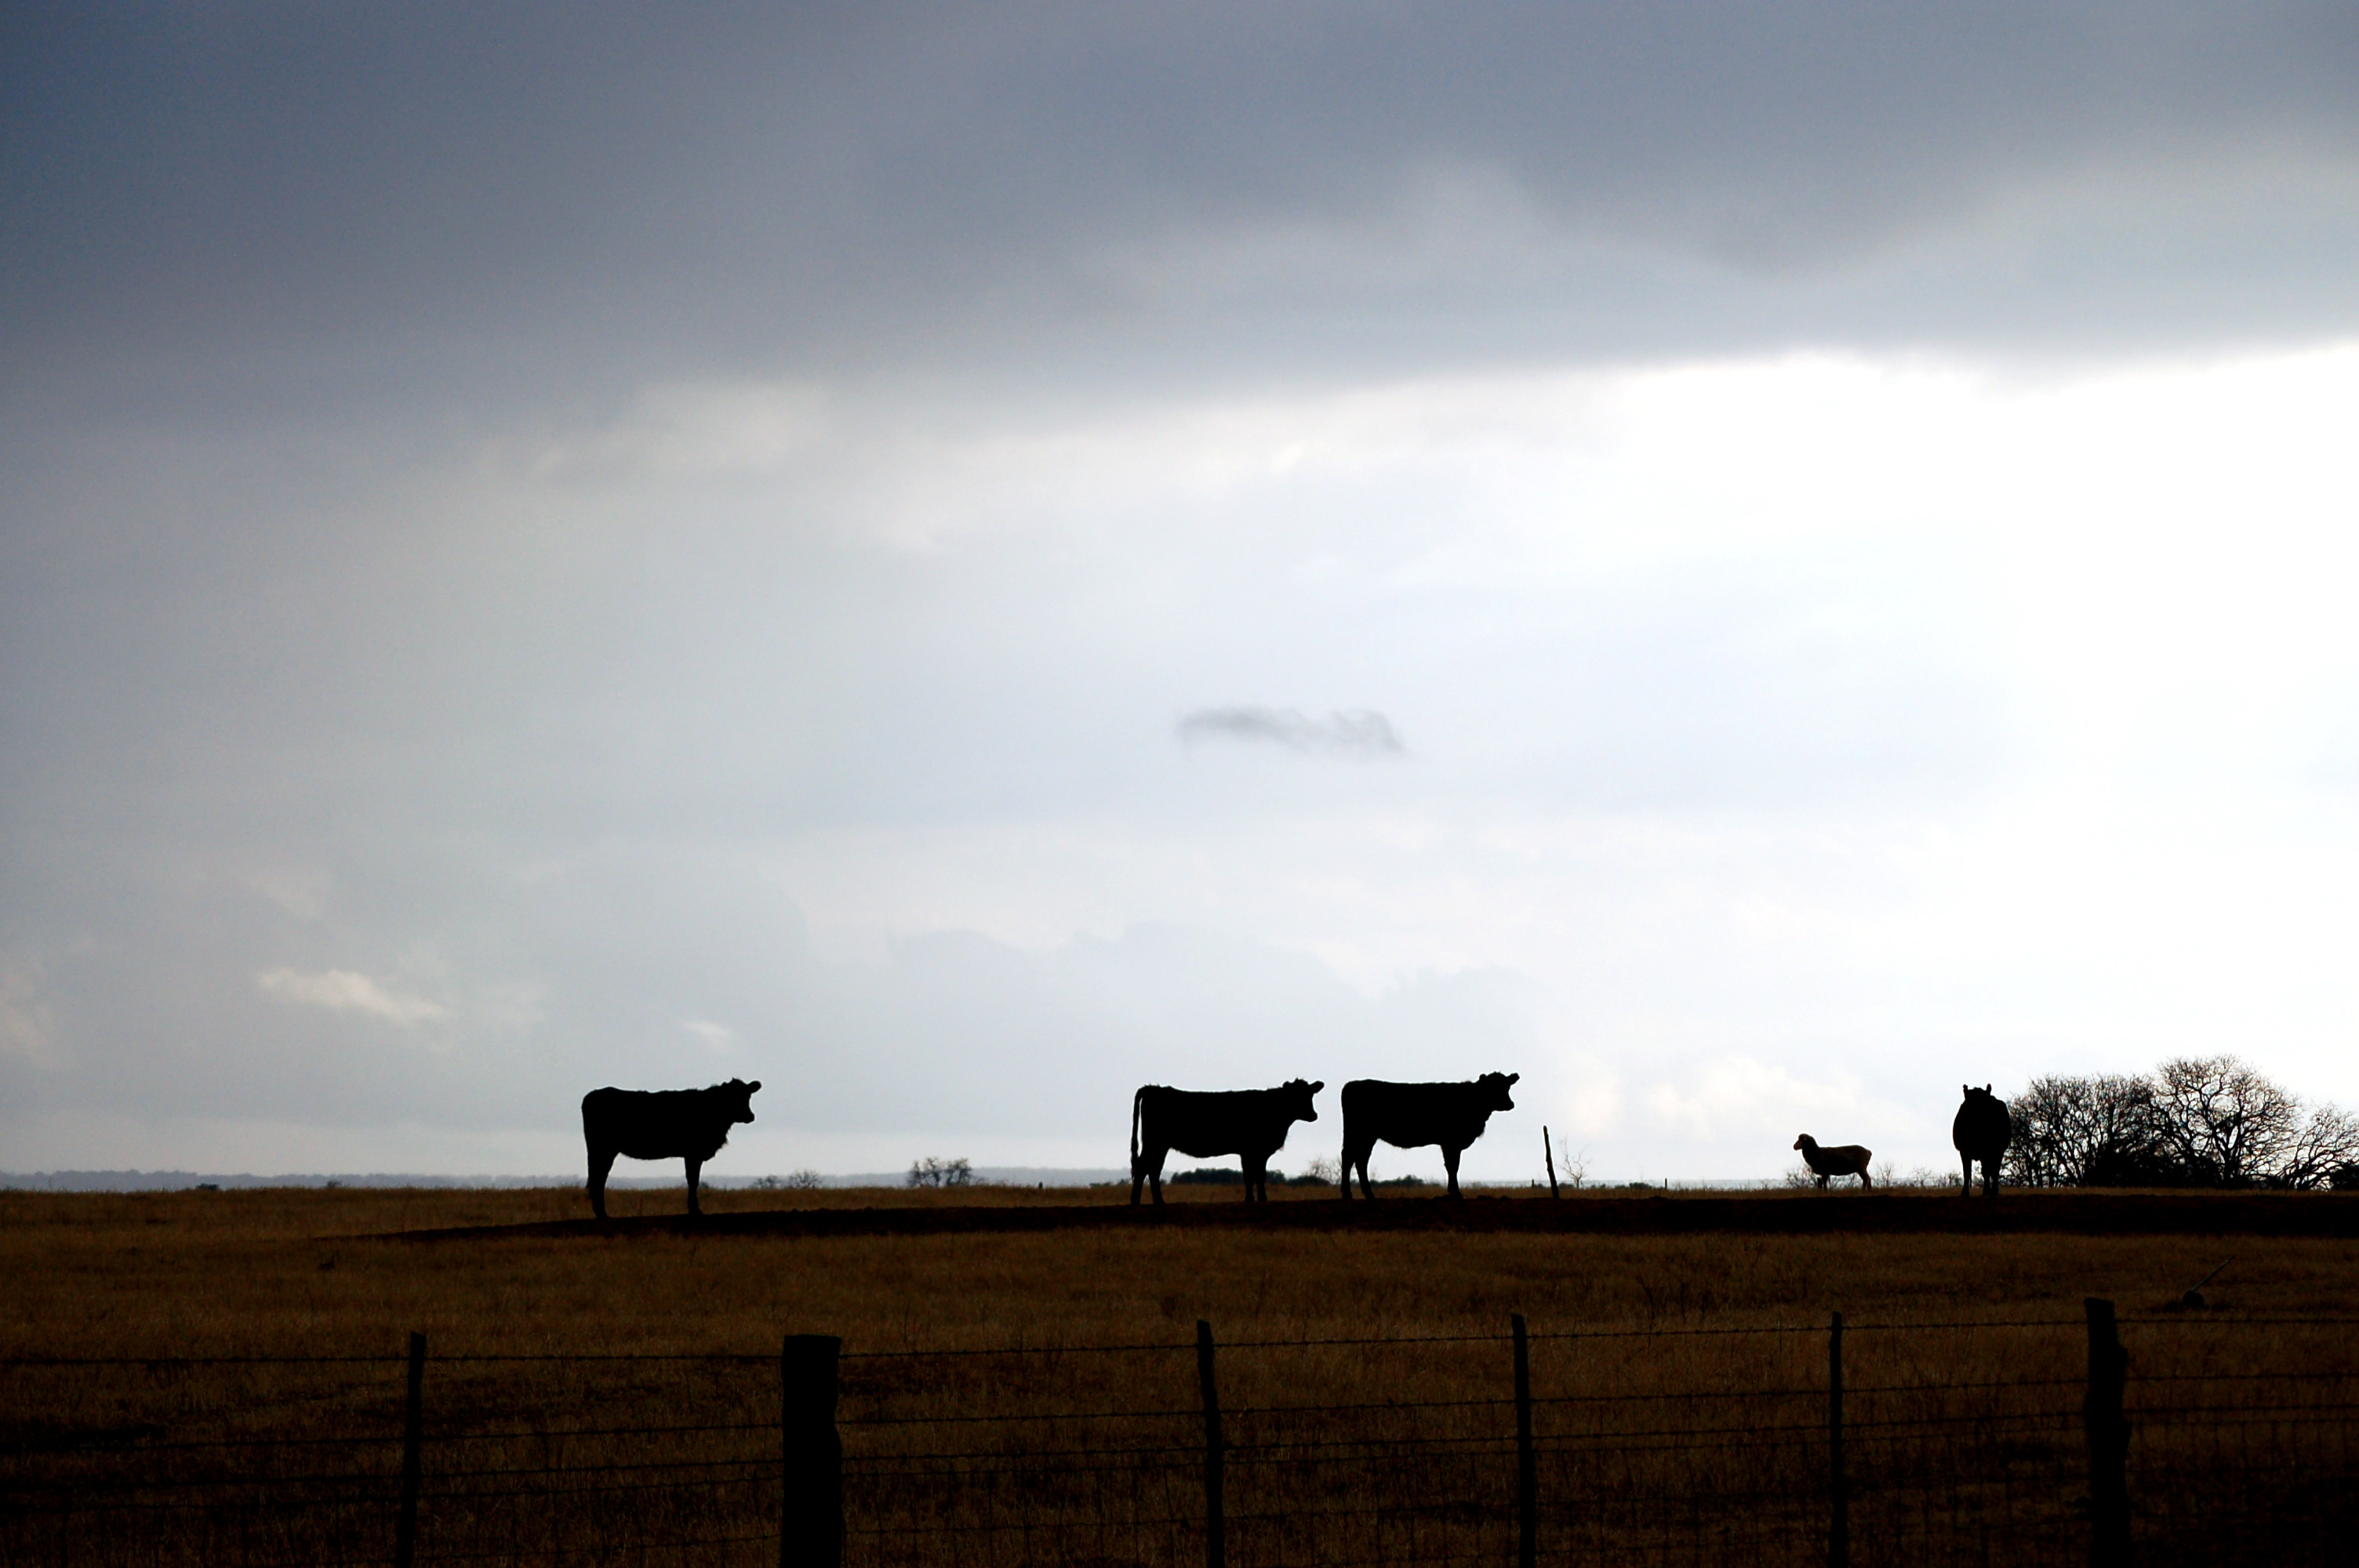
(810, 1507)
(1838, 1486)
(1528, 1500)
(413, 1428)
(1216, 1546)
(1549, 1149)
(2109, 1440)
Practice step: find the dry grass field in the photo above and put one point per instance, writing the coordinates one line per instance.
(1679, 1382)
(281, 1272)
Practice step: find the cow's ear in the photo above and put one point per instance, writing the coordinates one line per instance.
(754, 1088)
(1513, 1076)
(1965, 1088)
(1317, 1086)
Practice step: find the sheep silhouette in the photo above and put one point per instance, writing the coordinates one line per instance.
(1842, 1160)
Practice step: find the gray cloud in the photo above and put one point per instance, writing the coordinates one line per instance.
(486, 202)
(1360, 732)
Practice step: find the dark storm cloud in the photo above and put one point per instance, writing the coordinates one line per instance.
(391, 191)
(1359, 734)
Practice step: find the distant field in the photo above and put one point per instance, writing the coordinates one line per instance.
(277, 1270)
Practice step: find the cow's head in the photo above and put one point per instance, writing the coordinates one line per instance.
(1494, 1090)
(1299, 1095)
(738, 1095)
(1973, 1093)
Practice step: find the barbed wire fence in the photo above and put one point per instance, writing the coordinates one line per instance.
(2194, 1438)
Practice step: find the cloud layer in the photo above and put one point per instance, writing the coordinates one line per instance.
(569, 545)
(379, 195)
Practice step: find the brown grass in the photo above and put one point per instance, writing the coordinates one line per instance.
(1970, 1444)
(264, 1272)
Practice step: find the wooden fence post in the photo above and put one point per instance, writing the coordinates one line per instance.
(1838, 1485)
(1549, 1149)
(811, 1510)
(1527, 1498)
(413, 1429)
(2109, 1439)
(1216, 1546)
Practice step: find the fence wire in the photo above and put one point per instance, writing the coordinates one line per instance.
(1962, 1444)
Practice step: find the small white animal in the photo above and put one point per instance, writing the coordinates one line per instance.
(1847, 1160)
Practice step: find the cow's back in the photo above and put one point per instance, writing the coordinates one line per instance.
(1981, 1126)
(1209, 1122)
(1374, 1108)
(658, 1124)
(1410, 1115)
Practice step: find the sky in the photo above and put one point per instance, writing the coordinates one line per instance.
(1748, 564)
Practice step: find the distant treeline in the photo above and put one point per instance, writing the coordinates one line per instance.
(2207, 1122)
(1230, 1176)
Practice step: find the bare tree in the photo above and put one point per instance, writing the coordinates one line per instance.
(933, 1172)
(2225, 1123)
(2091, 1131)
(2322, 1148)
(2205, 1121)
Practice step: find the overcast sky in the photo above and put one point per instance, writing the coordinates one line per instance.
(1750, 564)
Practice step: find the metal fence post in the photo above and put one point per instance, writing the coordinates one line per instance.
(2109, 1440)
(413, 1428)
(1838, 1485)
(1528, 1500)
(1216, 1546)
(811, 1508)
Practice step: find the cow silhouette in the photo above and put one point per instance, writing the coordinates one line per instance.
(1249, 1123)
(1980, 1131)
(1842, 1160)
(1410, 1116)
(668, 1124)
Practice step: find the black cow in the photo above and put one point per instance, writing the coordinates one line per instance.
(669, 1124)
(1980, 1131)
(1249, 1123)
(1413, 1115)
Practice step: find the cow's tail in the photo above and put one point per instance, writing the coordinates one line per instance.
(1138, 1103)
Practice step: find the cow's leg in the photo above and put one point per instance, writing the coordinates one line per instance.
(602, 1161)
(1137, 1178)
(1357, 1159)
(1865, 1185)
(1966, 1181)
(1990, 1178)
(1450, 1163)
(1155, 1158)
(695, 1169)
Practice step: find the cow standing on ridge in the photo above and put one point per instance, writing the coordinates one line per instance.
(1249, 1123)
(669, 1124)
(1413, 1115)
(1980, 1131)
